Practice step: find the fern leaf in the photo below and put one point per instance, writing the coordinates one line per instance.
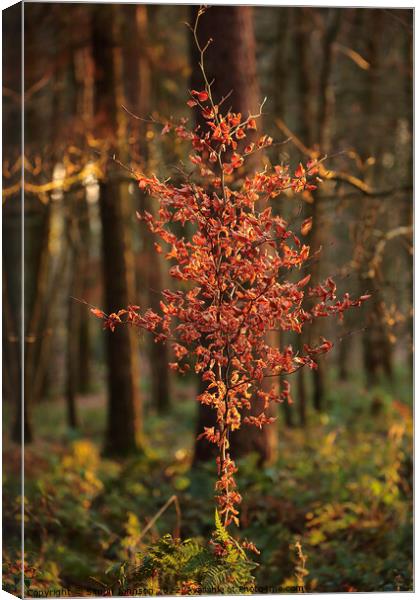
(221, 532)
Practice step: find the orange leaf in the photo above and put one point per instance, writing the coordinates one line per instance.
(306, 226)
(202, 96)
(299, 171)
(303, 281)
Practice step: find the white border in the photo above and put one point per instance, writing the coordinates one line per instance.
(321, 3)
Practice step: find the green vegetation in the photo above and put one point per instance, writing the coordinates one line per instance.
(342, 487)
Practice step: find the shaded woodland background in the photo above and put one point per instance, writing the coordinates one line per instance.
(338, 81)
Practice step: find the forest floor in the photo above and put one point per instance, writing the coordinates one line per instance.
(342, 486)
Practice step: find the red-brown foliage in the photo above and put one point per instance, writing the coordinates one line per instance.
(233, 271)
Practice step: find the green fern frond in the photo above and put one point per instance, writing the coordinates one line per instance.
(215, 578)
(169, 563)
(221, 532)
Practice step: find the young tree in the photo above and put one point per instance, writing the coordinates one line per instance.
(233, 291)
(231, 31)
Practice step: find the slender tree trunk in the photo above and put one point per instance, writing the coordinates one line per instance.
(84, 350)
(123, 429)
(377, 349)
(301, 387)
(12, 331)
(281, 64)
(136, 27)
(319, 233)
(306, 132)
(36, 265)
(72, 364)
(74, 312)
(343, 359)
(230, 59)
(288, 413)
(84, 354)
(159, 354)
(281, 68)
(43, 118)
(39, 127)
(305, 91)
(408, 205)
(12, 224)
(123, 434)
(317, 132)
(83, 75)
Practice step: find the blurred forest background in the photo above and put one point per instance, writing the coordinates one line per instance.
(109, 429)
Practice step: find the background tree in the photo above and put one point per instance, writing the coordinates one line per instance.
(142, 102)
(124, 417)
(12, 225)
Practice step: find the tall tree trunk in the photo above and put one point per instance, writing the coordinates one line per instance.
(123, 434)
(84, 352)
(288, 413)
(230, 61)
(159, 354)
(317, 131)
(343, 359)
(281, 68)
(43, 117)
(12, 224)
(74, 202)
(408, 205)
(78, 232)
(36, 266)
(38, 122)
(305, 130)
(377, 349)
(83, 70)
(124, 419)
(301, 390)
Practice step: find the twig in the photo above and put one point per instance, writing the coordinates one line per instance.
(327, 174)
(173, 499)
(300, 568)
